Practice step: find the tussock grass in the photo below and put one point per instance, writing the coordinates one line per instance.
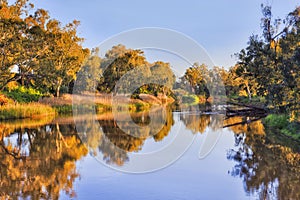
(22, 111)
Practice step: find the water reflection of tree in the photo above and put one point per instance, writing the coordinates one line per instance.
(255, 127)
(266, 167)
(195, 122)
(159, 132)
(39, 162)
(114, 143)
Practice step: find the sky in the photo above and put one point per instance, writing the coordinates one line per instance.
(221, 27)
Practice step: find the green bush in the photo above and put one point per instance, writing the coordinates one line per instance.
(64, 109)
(277, 121)
(24, 95)
(282, 124)
(293, 130)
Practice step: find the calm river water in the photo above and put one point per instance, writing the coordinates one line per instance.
(91, 158)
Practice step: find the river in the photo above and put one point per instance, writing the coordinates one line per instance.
(107, 156)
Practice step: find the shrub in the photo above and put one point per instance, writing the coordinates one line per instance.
(24, 95)
(277, 121)
(292, 130)
(282, 124)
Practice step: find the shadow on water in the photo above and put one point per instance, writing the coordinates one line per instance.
(38, 158)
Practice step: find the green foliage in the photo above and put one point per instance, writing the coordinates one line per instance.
(46, 54)
(292, 130)
(23, 95)
(197, 80)
(89, 75)
(271, 63)
(118, 67)
(136, 73)
(48, 57)
(64, 109)
(145, 89)
(282, 124)
(190, 99)
(162, 79)
(277, 121)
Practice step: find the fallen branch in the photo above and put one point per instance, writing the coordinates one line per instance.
(247, 106)
(249, 110)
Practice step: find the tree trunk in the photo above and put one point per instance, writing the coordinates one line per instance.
(248, 91)
(22, 80)
(57, 92)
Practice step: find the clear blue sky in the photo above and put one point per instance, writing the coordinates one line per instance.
(221, 27)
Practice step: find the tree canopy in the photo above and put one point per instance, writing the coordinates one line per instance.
(46, 54)
(269, 64)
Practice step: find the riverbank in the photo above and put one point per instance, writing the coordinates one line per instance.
(281, 124)
(10, 110)
(104, 102)
(25, 110)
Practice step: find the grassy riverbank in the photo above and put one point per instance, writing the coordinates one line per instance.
(25, 110)
(282, 124)
(23, 107)
(103, 102)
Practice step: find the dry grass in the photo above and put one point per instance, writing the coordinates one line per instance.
(26, 110)
(67, 99)
(103, 99)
